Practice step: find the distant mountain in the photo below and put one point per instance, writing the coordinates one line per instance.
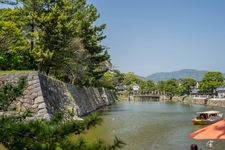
(185, 73)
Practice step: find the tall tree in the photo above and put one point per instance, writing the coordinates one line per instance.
(131, 78)
(169, 87)
(185, 86)
(54, 29)
(13, 46)
(211, 81)
(91, 36)
(63, 40)
(148, 86)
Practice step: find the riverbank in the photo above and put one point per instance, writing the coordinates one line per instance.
(199, 101)
(215, 102)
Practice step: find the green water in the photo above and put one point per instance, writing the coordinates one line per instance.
(151, 125)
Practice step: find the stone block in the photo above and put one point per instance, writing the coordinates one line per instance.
(31, 102)
(30, 82)
(34, 94)
(35, 82)
(36, 89)
(30, 118)
(29, 78)
(25, 92)
(39, 93)
(36, 85)
(47, 117)
(27, 97)
(38, 100)
(34, 106)
(29, 87)
(32, 97)
(77, 118)
(35, 77)
(42, 111)
(41, 106)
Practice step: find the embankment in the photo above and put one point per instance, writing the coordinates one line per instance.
(45, 96)
(200, 101)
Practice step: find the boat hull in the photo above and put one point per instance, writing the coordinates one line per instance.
(204, 122)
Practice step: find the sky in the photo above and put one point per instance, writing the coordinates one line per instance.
(148, 36)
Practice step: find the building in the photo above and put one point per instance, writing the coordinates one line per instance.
(194, 90)
(121, 87)
(135, 88)
(221, 92)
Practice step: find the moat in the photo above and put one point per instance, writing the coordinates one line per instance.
(150, 125)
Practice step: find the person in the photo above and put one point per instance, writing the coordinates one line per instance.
(194, 147)
(209, 145)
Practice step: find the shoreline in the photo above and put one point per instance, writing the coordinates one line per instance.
(215, 102)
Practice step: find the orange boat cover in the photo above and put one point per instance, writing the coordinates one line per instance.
(211, 132)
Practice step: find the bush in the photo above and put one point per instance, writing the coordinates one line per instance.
(9, 93)
(17, 134)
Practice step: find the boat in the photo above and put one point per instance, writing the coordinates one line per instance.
(207, 117)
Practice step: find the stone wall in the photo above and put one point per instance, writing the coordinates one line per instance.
(45, 96)
(200, 101)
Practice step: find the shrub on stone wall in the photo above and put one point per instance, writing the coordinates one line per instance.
(9, 92)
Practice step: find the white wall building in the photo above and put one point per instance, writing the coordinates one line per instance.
(135, 88)
(221, 92)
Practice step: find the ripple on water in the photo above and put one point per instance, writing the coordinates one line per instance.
(150, 125)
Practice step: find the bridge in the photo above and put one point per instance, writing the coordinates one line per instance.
(146, 93)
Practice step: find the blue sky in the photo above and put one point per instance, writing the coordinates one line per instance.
(149, 36)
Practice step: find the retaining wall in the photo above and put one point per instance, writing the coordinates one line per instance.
(200, 101)
(45, 96)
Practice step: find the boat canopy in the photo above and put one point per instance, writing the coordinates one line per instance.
(209, 112)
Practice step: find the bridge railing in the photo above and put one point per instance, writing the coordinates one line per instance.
(146, 93)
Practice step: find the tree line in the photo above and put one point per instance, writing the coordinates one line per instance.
(209, 83)
(56, 37)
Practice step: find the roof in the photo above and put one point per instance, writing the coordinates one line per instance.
(209, 112)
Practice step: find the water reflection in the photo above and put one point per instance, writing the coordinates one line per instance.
(150, 125)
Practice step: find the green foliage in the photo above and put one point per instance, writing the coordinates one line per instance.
(147, 85)
(211, 81)
(56, 37)
(15, 71)
(169, 87)
(112, 79)
(115, 78)
(176, 87)
(108, 80)
(93, 120)
(9, 93)
(14, 53)
(48, 135)
(131, 78)
(117, 144)
(67, 43)
(185, 86)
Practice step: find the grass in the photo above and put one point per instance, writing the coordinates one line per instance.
(2, 147)
(14, 71)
